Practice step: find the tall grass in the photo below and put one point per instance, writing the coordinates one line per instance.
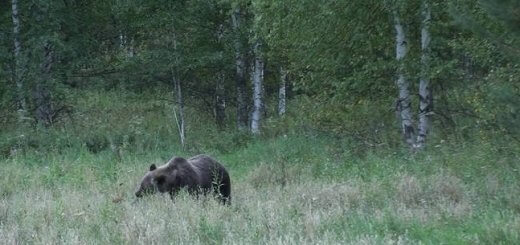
(74, 184)
(279, 196)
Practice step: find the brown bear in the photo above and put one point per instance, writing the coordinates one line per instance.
(200, 174)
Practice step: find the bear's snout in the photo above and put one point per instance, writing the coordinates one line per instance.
(139, 193)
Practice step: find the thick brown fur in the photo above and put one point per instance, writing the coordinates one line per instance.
(200, 174)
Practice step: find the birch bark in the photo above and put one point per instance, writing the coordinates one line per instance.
(282, 91)
(180, 105)
(258, 79)
(425, 92)
(178, 90)
(404, 103)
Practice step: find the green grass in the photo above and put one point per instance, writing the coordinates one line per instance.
(289, 190)
(74, 184)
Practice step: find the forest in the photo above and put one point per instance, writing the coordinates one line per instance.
(339, 122)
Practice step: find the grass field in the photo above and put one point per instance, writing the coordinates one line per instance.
(287, 190)
(74, 184)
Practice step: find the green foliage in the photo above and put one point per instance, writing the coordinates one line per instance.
(339, 59)
(332, 54)
(495, 21)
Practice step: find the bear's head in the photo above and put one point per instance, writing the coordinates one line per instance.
(161, 179)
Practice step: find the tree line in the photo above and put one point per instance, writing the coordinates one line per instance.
(229, 56)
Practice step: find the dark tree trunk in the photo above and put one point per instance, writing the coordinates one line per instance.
(220, 102)
(44, 112)
(240, 75)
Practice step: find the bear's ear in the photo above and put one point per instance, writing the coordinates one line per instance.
(153, 167)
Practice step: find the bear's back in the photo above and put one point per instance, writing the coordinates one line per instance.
(207, 169)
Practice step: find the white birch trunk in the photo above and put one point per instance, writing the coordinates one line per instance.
(17, 76)
(125, 45)
(282, 91)
(122, 40)
(240, 76)
(180, 102)
(425, 93)
(404, 103)
(258, 79)
(179, 120)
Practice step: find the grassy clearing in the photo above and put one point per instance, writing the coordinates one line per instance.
(290, 190)
(74, 184)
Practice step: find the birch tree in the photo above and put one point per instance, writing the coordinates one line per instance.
(18, 67)
(258, 79)
(180, 106)
(178, 91)
(425, 92)
(240, 65)
(404, 102)
(125, 45)
(282, 91)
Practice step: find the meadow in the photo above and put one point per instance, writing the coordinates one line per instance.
(301, 187)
